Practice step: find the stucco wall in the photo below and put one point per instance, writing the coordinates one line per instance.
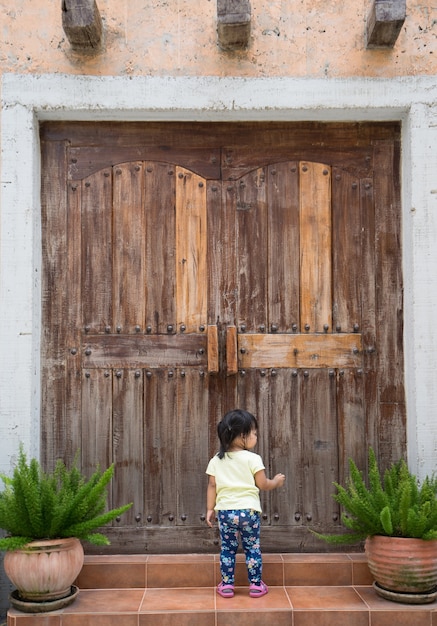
(301, 38)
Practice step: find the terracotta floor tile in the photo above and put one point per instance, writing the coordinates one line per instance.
(325, 598)
(402, 618)
(331, 618)
(100, 620)
(316, 558)
(181, 574)
(254, 618)
(116, 558)
(333, 573)
(275, 599)
(181, 558)
(106, 601)
(196, 599)
(361, 574)
(16, 618)
(375, 602)
(112, 576)
(177, 619)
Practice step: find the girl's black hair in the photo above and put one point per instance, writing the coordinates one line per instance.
(235, 423)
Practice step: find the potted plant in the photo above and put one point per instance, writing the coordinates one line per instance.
(45, 515)
(397, 516)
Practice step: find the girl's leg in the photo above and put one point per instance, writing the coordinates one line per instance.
(229, 533)
(250, 526)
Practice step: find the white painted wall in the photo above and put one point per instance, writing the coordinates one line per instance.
(30, 98)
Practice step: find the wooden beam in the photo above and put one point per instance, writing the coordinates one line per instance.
(384, 23)
(233, 19)
(82, 23)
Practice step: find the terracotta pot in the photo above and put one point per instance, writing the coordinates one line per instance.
(46, 569)
(403, 565)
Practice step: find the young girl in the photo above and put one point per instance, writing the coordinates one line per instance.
(235, 476)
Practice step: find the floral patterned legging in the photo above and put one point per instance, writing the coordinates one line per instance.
(245, 524)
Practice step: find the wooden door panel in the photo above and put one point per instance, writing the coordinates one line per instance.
(191, 251)
(97, 258)
(127, 441)
(283, 247)
(96, 425)
(159, 262)
(347, 235)
(315, 247)
(192, 454)
(160, 451)
(128, 281)
(319, 447)
(250, 217)
(285, 428)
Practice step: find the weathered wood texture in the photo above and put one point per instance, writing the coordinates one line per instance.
(384, 23)
(233, 24)
(252, 265)
(82, 24)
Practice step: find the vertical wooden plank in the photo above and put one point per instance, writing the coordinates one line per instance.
(231, 350)
(283, 246)
(96, 419)
(97, 251)
(352, 422)
(127, 434)
(160, 233)
(222, 267)
(213, 350)
(128, 241)
(74, 323)
(320, 446)
(389, 317)
(285, 443)
(253, 396)
(191, 251)
(368, 313)
(55, 433)
(346, 250)
(159, 447)
(315, 246)
(252, 253)
(191, 432)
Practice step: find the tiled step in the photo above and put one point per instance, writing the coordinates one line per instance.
(179, 590)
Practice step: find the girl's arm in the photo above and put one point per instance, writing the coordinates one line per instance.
(267, 484)
(211, 494)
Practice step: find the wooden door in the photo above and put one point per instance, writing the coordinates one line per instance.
(190, 269)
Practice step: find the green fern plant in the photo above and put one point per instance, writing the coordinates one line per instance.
(395, 505)
(39, 505)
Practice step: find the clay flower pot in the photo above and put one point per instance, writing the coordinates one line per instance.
(403, 565)
(45, 570)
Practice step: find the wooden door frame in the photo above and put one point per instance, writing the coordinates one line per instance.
(55, 421)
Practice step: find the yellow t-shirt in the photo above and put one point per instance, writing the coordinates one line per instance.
(235, 482)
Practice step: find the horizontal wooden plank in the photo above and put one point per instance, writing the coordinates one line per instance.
(84, 161)
(120, 351)
(300, 350)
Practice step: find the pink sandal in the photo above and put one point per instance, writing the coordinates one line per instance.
(256, 591)
(225, 591)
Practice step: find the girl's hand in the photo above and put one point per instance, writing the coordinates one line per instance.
(279, 479)
(210, 517)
